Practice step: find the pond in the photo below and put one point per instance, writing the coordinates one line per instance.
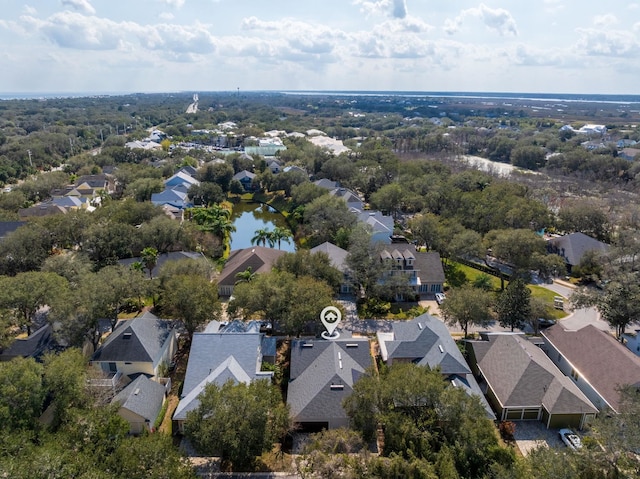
(250, 217)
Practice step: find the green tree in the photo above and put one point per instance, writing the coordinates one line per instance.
(586, 218)
(27, 292)
(21, 395)
(161, 233)
(389, 198)
(516, 247)
(149, 256)
(206, 194)
(529, 157)
(286, 301)
(280, 234)
(304, 263)
(324, 217)
(191, 299)
(260, 236)
(238, 421)
(65, 382)
(425, 228)
(142, 188)
(466, 306)
(513, 306)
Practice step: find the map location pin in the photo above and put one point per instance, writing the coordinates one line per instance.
(330, 317)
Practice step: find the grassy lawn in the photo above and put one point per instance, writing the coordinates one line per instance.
(536, 291)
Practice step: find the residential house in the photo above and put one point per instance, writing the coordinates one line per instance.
(274, 166)
(572, 247)
(32, 346)
(140, 403)
(423, 269)
(595, 362)
(258, 258)
(143, 345)
(522, 383)
(246, 179)
(338, 258)
(95, 183)
(176, 189)
(8, 227)
(629, 153)
(166, 258)
(327, 184)
(293, 168)
(322, 375)
(41, 209)
(381, 225)
(632, 341)
(216, 357)
(353, 201)
(426, 341)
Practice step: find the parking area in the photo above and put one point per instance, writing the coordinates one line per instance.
(532, 434)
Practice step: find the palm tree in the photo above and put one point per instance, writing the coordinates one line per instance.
(245, 276)
(149, 258)
(281, 234)
(261, 236)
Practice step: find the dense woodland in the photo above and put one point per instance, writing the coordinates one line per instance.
(400, 163)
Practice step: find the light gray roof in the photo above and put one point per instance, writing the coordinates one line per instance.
(337, 255)
(573, 246)
(143, 397)
(136, 340)
(219, 357)
(521, 375)
(258, 258)
(426, 341)
(167, 257)
(323, 374)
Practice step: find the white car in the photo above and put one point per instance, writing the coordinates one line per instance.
(440, 298)
(571, 439)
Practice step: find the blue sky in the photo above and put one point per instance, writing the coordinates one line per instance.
(544, 46)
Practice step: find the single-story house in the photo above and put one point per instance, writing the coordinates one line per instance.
(594, 360)
(217, 357)
(143, 345)
(426, 341)
(572, 247)
(245, 178)
(30, 347)
(258, 258)
(521, 383)
(166, 258)
(140, 404)
(322, 374)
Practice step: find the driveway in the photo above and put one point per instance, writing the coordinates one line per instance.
(530, 435)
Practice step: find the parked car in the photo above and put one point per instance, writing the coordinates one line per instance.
(545, 323)
(440, 297)
(571, 439)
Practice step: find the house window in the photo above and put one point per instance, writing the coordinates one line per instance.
(113, 368)
(559, 357)
(574, 374)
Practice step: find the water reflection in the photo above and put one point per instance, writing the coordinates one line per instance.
(250, 217)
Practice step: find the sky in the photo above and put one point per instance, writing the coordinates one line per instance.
(537, 46)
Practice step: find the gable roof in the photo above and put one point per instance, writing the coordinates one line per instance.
(337, 255)
(521, 375)
(181, 178)
(598, 357)
(427, 265)
(166, 257)
(573, 246)
(326, 184)
(426, 341)
(93, 181)
(29, 347)
(218, 358)
(7, 227)
(323, 374)
(135, 340)
(259, 258)
(244, 175)
(143, 397)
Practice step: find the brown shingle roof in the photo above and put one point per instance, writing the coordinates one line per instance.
(259, 258)
(599, 358)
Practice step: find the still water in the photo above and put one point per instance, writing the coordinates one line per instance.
(250, 217)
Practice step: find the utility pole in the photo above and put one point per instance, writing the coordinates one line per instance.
(30, 162)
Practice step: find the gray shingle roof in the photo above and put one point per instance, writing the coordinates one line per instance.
(337, 255)
(602, 361)
(573, 246)
(136, 340)
(521, 375)
(426, 341)
(323, 374)
(143, 397)
(167, 257)
(219, 357)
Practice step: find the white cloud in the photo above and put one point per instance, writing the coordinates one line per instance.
(497, 19)
(393, 8)
(605, 20)
(166, 16)
(174, 3)
(29, 10)
(80, 5)
(553, 6)
(609, 43)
